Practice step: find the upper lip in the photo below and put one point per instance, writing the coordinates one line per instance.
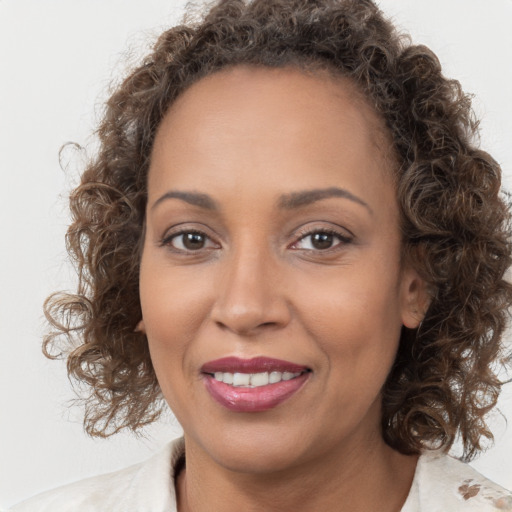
(253, 365)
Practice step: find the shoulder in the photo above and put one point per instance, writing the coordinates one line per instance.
(144, 487)
(444, 483)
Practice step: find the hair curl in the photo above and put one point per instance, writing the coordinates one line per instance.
(455, 225)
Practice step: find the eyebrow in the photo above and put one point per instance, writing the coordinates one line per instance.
(287, 202)
(193, 198)
(307, 197)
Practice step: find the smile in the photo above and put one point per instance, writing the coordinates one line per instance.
(253, 380)
(270, 382)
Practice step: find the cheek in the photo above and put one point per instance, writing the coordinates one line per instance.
(356, 321)
(174, 306)
(171, 300)
(355, 299)
(359, 346)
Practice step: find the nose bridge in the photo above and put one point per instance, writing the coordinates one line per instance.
(249, 296)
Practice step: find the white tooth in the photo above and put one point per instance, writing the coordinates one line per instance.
(275, 377)
(253, 379)
(241, 379)
(259, 379)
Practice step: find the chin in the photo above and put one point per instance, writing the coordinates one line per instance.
(256, 450)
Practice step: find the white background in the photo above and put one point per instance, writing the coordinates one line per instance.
(56, 60)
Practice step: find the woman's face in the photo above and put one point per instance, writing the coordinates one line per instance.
(271, 286)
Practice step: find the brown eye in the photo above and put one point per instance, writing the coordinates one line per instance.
(189, 241)
(322, 240)
(193, 241)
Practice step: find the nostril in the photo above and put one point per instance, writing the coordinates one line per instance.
(268, 324)
(246, 329)
(221, 325)
(248, 312)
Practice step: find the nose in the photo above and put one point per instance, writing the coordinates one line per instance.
(251, 295)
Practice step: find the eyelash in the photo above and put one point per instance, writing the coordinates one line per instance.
(167, 240)
(343, 239)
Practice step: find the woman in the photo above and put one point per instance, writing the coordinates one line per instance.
(289, 235)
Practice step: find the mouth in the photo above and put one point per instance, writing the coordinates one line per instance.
(254, 380)
(253, 385)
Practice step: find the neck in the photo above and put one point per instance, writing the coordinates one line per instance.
(341, 480)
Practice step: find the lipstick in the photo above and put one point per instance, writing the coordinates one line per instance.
(252, 385)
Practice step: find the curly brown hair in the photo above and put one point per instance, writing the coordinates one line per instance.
(455, 223)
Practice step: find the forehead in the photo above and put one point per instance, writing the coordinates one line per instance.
(263, 122)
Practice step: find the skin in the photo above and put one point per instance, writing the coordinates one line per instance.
(249, 139)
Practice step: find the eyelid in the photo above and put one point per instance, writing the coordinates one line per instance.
(182, 229)
(343, 234)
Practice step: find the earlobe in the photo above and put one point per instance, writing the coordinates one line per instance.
(141, 327)
(415, 299)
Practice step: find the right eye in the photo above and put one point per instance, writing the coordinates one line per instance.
(189, 241)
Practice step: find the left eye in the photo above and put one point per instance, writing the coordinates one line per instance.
(189, 241)
(320, 241)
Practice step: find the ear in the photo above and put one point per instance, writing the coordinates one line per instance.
(141, 327)
(415, 298)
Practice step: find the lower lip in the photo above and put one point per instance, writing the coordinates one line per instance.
(262, 398)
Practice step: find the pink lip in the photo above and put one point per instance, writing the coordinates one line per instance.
(254, 365)
(258, 399)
